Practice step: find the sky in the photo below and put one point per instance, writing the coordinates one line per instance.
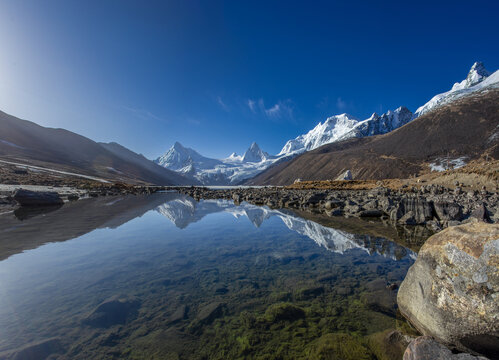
(218, 75)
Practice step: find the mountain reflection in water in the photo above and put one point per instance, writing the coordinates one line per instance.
(183, 210)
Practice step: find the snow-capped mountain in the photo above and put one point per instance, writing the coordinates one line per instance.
(478, 79)
(237, 168)
(182, 159)
(324, 133)
(383, 124)
(344, 126)
(254, 154)
(229, 171)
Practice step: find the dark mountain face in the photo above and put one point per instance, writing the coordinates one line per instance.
(28, 143)
(466, 128)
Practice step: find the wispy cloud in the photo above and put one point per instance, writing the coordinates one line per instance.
(283, 109)
(341, 104)
(223, 105)
(337, 104)
(193, 121)
(144, 114)
(252, 105)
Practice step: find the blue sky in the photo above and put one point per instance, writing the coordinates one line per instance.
(217, 75)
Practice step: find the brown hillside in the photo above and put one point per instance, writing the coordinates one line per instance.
(468, 127)
(25, 142)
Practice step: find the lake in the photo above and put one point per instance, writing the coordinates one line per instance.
(167, 277)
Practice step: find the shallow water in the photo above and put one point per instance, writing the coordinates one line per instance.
(168, 277)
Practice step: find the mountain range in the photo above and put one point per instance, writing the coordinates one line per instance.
(335, 129)
(452, 127)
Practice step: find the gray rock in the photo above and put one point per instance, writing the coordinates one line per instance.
(347, 175)
(408, 219)
(448, 211)
(371, 213)
(425, 348)
(452, 290)
(481, 214)
(34, 198)
(421, 209)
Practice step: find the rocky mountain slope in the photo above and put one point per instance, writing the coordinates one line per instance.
(25, 142)
(478, 79)
(465, 129)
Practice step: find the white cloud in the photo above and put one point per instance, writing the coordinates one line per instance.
(274, 111)
(144, 114)
(222, 104)
(341, 104)
(281, 109)
(251, 105)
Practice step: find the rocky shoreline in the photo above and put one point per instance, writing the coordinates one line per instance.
(433, 206)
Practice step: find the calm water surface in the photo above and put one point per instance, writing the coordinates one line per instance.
(166, 277)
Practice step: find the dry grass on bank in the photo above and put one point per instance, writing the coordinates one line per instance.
(473, 176)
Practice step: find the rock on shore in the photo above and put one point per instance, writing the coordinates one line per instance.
(452, 291)
(37, 198)
(425, 348)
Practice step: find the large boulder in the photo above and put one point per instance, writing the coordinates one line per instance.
(452, 290)
(347, 175)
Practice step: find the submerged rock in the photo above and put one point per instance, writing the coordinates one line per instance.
(452, 290)
(113, 312)
(210, 312)
(425, 348)
(284, 312)
(179, 314)
(38, 350)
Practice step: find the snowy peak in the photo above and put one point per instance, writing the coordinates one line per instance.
(184, 159)
(376, 124)
(233, 158)
(254, 154)
(477, 74)
(478, 78)
(324, 133)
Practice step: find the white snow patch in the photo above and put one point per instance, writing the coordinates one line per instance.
(443, 164)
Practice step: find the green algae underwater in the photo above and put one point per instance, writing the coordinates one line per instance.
(167, 277)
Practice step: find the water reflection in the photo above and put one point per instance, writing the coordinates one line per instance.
(183, 210)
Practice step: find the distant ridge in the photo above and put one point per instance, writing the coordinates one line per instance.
(23, 141)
